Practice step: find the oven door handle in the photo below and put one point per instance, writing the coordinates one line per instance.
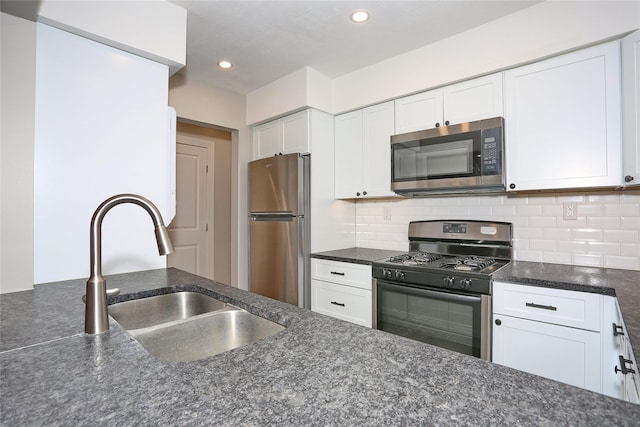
(444, 296)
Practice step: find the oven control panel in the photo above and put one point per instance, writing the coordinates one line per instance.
(462, 283)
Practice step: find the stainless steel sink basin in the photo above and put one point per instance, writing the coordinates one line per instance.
(185, 326)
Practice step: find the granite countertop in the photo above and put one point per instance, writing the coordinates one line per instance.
(319, 371)
(356, 255)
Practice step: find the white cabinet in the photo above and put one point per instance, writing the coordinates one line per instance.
(563, 121)
(475, 99)
(631, 103)
(617, 354)
(363, 152)
(548, 332)
(342, 290)
(286, 135)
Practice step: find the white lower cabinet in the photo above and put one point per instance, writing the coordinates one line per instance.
(563, 354)
(342, 290)
(573, 337)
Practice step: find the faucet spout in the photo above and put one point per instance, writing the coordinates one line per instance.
(96, 319)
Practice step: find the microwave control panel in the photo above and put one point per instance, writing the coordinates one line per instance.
(491, 146)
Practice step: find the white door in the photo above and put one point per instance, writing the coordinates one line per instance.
(189, 229)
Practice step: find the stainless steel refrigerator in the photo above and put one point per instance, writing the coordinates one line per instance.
(279, 263)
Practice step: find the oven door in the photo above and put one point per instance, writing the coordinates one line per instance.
(454, 321)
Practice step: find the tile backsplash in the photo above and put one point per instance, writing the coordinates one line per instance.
(604, 233)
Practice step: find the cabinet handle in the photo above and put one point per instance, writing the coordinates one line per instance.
(337, 273)
(544, 307)
(341, 304)
(617, 330)
(628, 178)
(624, 369)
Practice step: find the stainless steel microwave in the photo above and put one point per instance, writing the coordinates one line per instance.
(461, 158)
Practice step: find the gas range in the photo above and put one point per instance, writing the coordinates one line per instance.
(459, 256)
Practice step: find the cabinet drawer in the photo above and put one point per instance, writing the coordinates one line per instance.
(567, 308)
(344, 273)
(342, 302)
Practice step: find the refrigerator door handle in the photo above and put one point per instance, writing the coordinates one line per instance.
(272, 216)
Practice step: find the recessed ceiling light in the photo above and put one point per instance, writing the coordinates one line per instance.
(360, 16)
(224, 64)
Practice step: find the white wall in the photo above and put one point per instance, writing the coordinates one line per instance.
(125, 25)
(17, 95)
(101, 129)
(542, 30)
(606, 232)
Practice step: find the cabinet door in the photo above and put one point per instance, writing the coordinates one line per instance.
(613, 345)
(568, 355)
(473, 100)
(631, 99)
(342, 302)
(295, 133)
(419, 111)
(378, 126)
(266, 140)
(348, 155)
(562, 119)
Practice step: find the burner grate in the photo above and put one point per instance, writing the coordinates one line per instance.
(415, 258)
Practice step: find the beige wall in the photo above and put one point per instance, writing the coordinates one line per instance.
(207, 106)
(17, 94)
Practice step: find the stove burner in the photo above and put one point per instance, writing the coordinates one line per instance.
(415, 258)
(473, 263)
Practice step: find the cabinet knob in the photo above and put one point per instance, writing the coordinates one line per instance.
(628, 178)
(498, 322)
(512, 186)
(446, 123)
(358, 194)
(364, 193)
(438, 124)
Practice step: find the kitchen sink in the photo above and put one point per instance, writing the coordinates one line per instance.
(186, 326)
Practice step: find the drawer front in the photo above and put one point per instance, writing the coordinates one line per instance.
(343, 273)
(342, 302)
(567, 308)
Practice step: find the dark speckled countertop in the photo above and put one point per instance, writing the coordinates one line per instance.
(319, 371)
(356, 255)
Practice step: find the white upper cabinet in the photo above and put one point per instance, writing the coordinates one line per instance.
(563, 121)
(286, 135)
(362, 152)
(631, 102)
(467, 101)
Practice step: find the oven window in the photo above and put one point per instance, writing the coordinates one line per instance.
(413, 161)
(430, 316)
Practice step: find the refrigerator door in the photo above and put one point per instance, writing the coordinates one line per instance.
(276, 269)
(276, 185)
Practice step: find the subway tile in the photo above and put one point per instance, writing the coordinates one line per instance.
(552, 210)
(528, 255)
(628, 222)
(587, 234)
(631, 209)
(529, 210)
(556, 257)
(543, 245)
(630, 263)
(603, 248)
(570, 197)
(542, 221)
(587, 260)
(528, 233)
(613, 197)
(622, 236)
(630, 249)
(480, 210)
(556, 233)
(630, 196)
(572, 247)
(605, 223)
(504, 210)
(571, 223)
(590, 210)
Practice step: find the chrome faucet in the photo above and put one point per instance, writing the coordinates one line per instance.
(96, 319)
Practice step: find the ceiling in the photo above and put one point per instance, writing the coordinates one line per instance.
(267, 40)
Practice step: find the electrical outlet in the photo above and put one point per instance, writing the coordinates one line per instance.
(570, 210)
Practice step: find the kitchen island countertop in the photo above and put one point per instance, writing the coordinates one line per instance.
(319, 371)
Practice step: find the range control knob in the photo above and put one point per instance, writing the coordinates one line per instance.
(387, 274)
(465, 283)
(399, 275)
(448, 281)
